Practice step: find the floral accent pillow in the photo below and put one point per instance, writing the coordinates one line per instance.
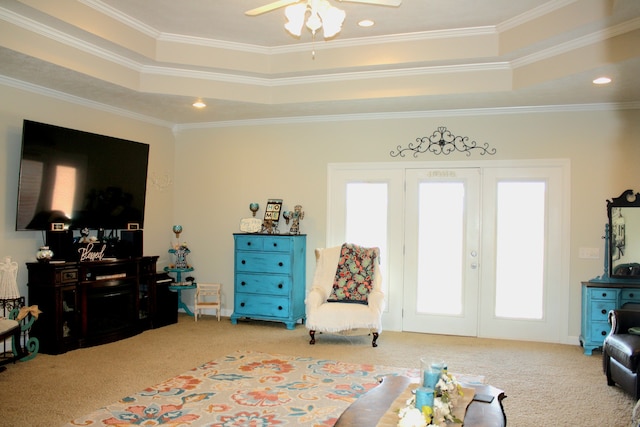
(354, 275)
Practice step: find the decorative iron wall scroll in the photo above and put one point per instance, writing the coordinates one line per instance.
(442, 141)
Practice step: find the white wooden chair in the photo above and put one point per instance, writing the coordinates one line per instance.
(207, 297)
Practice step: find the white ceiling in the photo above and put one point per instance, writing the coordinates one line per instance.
(153, 59)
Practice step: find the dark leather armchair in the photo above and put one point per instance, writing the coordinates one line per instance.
(621, 351)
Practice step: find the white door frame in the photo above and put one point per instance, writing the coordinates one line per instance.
(337, 173)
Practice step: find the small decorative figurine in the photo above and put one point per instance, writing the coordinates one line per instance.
(85, 238)
(296, 215)
(267, 226)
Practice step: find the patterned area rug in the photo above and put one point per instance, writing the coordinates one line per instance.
(248, 389)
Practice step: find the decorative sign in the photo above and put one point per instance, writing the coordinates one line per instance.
(250, 225)
(272, 212)
(442, 141)
(92, 252)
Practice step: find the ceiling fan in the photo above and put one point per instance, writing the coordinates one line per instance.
(315, 13)
(282, 3)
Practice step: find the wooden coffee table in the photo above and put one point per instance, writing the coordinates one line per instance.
(369, 408)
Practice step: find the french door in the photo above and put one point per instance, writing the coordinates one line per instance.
(477, 251)
(442, 244)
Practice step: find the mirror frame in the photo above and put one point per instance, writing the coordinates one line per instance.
(628, 199)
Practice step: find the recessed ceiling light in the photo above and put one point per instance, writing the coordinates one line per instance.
(366, 23)
(199, 104)
(602, 81)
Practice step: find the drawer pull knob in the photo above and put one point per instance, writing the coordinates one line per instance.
(604, 294)
(630, 295)
(241, 304)
(243, 262)
(604, 311)
(279, 285)
(279, 307)
(248, 243)
(280, 264)
(603, 333)
(275, 245)
(243, 283)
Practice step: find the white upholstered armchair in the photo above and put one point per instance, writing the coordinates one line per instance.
(347, 312)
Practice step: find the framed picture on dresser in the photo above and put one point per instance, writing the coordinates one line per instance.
(273, 209)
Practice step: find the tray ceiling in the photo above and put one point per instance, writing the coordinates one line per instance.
(153, 59)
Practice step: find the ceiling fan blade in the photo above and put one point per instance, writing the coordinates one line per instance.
(269, 7)
(394, 3)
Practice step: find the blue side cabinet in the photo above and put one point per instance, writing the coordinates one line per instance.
(598, 298)
(269, 278)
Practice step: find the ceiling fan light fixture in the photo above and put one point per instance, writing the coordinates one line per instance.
(295, 14)
(332, 19)
(314, 23)
(322, 15)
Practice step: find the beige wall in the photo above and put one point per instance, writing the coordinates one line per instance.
(220, 170)
(216, 172)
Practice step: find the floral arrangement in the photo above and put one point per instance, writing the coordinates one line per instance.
(448, 389)
(181, 246)
(180, 250)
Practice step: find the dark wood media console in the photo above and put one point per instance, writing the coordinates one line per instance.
(91, 303)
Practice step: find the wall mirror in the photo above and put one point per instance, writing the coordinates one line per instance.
(624, 238)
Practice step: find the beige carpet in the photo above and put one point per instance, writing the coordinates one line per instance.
(546, 384)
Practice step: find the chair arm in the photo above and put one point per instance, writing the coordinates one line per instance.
(621, 320)
(376, 301)
(315, 298)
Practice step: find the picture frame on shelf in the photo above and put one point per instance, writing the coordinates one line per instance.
(273, 210)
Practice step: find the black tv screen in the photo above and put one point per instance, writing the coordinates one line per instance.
(80, 179)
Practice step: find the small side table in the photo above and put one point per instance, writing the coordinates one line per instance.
(179, 289)
(178, 272)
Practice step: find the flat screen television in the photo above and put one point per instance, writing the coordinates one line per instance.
(79, 179)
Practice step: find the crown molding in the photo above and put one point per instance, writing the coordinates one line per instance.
(113, 57)
(62, 96)
(178, 127)
(66, 39)
(577, 43)
(325, 78)
(462, 112)
(534, 13)
(127, 20)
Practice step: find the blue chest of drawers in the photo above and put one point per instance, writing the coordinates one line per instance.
(597, 300)
(269, 278)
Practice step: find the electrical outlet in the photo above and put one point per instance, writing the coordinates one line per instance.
(589, 253)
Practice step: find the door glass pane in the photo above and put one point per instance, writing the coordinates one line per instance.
(366, 223)
(440, 247)
(520, 249)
